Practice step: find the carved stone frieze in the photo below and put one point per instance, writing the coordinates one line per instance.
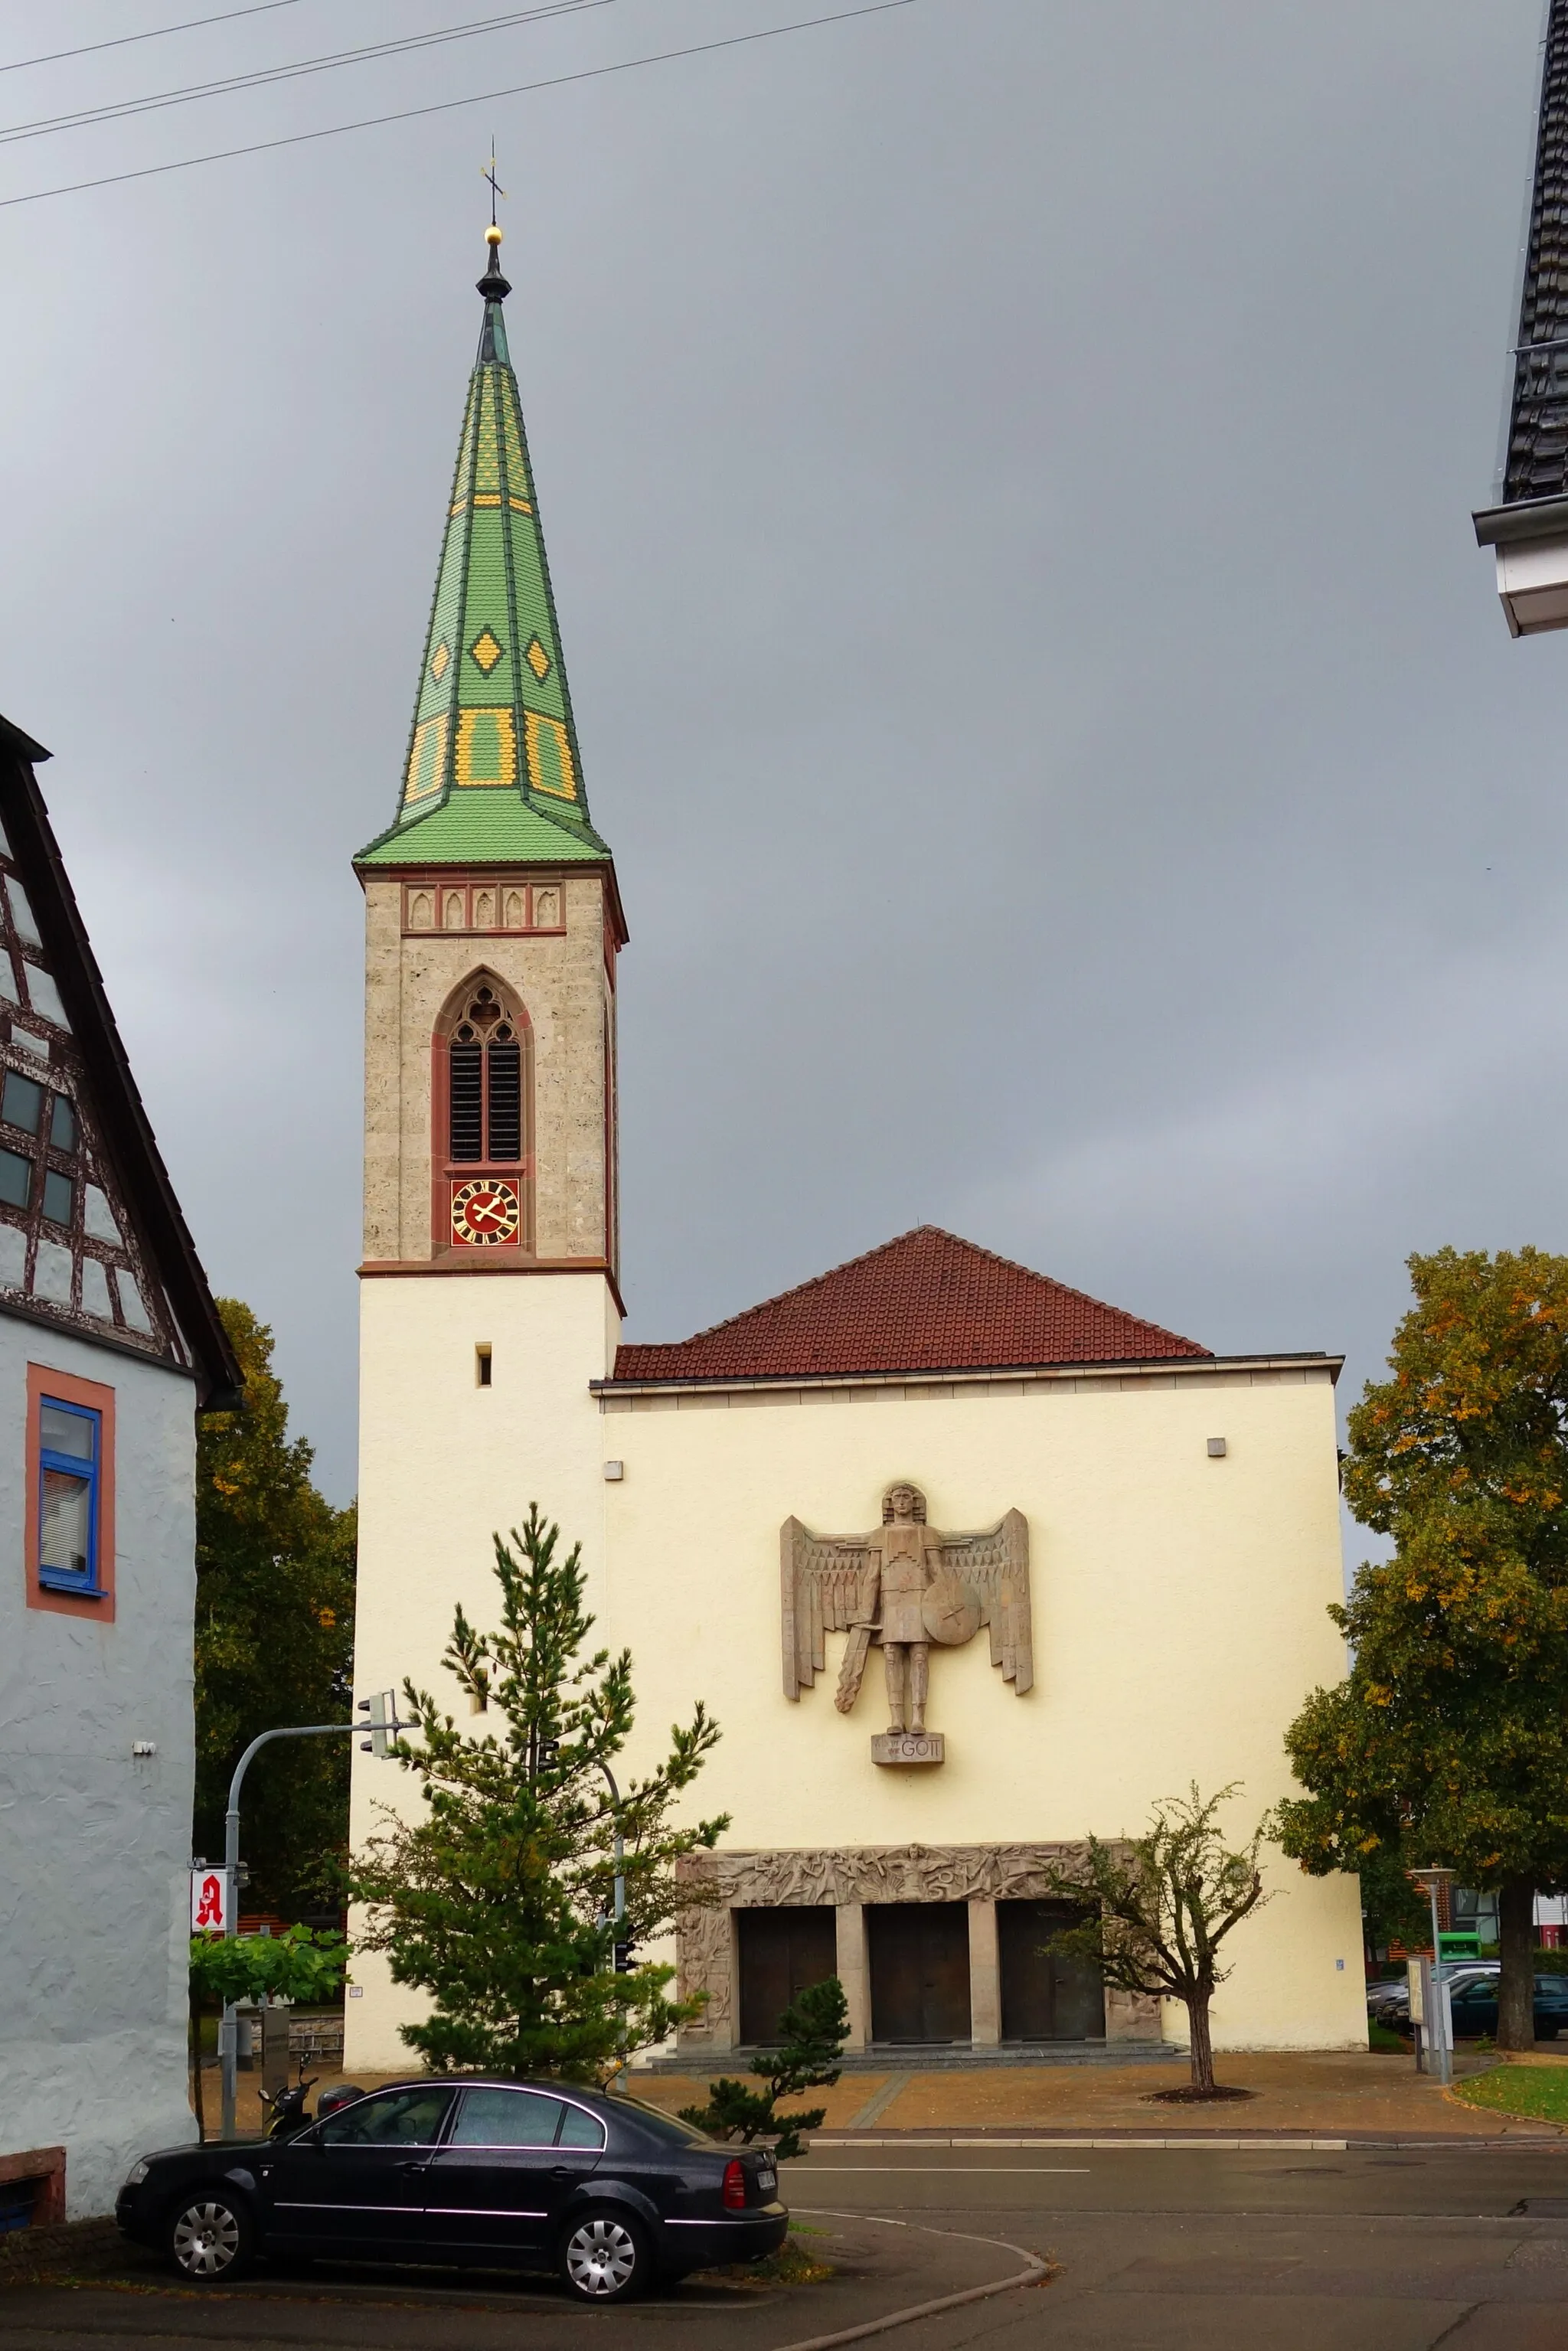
(836, 1876)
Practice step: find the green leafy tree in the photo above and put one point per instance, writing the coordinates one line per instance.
(811, 2033)
(1394, 1910)
(497, 1902)
(274, 1630)
(294, 1966)
(1159, 1907)
(1447, 1742)
(297, 1965)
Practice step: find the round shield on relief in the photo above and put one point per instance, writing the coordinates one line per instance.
(951, 1612)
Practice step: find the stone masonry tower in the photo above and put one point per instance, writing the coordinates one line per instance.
(488, 1297)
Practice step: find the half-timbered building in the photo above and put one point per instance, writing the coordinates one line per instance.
(109, 1347)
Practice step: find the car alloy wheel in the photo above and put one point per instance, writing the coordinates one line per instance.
(603, 2258)
(209, 2240)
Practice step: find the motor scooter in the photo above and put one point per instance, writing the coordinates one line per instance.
(287, 2105)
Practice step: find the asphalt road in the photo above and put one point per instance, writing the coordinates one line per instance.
(1365, 2250)
(1371, 2250)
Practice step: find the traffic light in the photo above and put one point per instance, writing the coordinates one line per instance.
(624, 1959)
(382, 1725)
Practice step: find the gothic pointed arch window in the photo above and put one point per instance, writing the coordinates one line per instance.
(482, 1104)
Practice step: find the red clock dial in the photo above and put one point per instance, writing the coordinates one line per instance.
(484, 1213)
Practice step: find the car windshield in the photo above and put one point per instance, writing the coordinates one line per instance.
(663, 2126)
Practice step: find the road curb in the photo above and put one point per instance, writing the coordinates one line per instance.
(1034, 2270)
(1256, 2142)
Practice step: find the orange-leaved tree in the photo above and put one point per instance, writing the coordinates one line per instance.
(1447, 1742)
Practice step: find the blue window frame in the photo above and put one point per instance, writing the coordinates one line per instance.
(70, 1463)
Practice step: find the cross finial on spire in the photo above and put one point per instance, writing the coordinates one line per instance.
(493, 285)
(496, 187)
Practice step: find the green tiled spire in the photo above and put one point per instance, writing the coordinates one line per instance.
(492, 770)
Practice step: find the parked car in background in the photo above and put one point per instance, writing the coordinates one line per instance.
(1475, 2007)
(611, 2193)
(1380, 1997)
(1393, 1999)
(1472, 1991)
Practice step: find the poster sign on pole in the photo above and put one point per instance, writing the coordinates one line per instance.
(211, 1895)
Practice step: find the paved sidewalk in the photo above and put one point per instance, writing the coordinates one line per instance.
(1303, 2096)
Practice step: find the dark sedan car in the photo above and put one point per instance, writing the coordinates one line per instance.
(1473, 2000)
(611, 2193)
(1475, 2007)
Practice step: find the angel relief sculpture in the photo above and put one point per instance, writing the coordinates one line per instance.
(905, 1585)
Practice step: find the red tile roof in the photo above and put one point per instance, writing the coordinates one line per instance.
(925, 1302)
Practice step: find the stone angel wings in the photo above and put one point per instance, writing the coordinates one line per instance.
(833, 1583)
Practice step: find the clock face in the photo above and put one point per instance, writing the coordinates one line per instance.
(485, 1212)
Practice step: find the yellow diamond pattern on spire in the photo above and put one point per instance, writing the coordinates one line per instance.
(536, 659)
(486, 650)
(439, 660)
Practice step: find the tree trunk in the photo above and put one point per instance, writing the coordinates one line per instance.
(1516, 1989)
(1200, 2048)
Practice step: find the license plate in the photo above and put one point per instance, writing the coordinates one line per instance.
(767, 2181)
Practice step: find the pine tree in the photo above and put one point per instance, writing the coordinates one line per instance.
(812, 2038)
(498, 1902)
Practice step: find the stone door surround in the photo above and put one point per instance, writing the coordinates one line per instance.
(845, 1879)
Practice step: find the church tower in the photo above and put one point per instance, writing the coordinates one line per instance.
(488, 1297)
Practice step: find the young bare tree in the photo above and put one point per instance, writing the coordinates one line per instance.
(1160, 1907)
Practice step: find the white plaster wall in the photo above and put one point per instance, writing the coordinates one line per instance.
(1180, 1615)
(94, 1845)
(444, 1464)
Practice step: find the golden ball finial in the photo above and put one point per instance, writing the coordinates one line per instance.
(492, 235)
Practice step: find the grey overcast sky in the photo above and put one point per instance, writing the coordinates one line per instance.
(1006, 468)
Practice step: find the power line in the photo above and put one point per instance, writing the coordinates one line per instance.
(159, 33)
(447, 106)
(258, 77)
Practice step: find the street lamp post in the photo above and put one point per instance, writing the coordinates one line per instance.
(228, 2030)
(1440, 2041)
(382, 1725)
(619, 1911)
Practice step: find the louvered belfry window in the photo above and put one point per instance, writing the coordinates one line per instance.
(485, 1119)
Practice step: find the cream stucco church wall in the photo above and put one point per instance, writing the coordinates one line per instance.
(1179, 1599)
(1179, 1620)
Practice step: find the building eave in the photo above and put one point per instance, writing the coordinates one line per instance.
(1526, 519)
(116, 1097)
(1133, 1372)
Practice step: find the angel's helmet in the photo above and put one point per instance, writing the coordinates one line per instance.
(903, 1502)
